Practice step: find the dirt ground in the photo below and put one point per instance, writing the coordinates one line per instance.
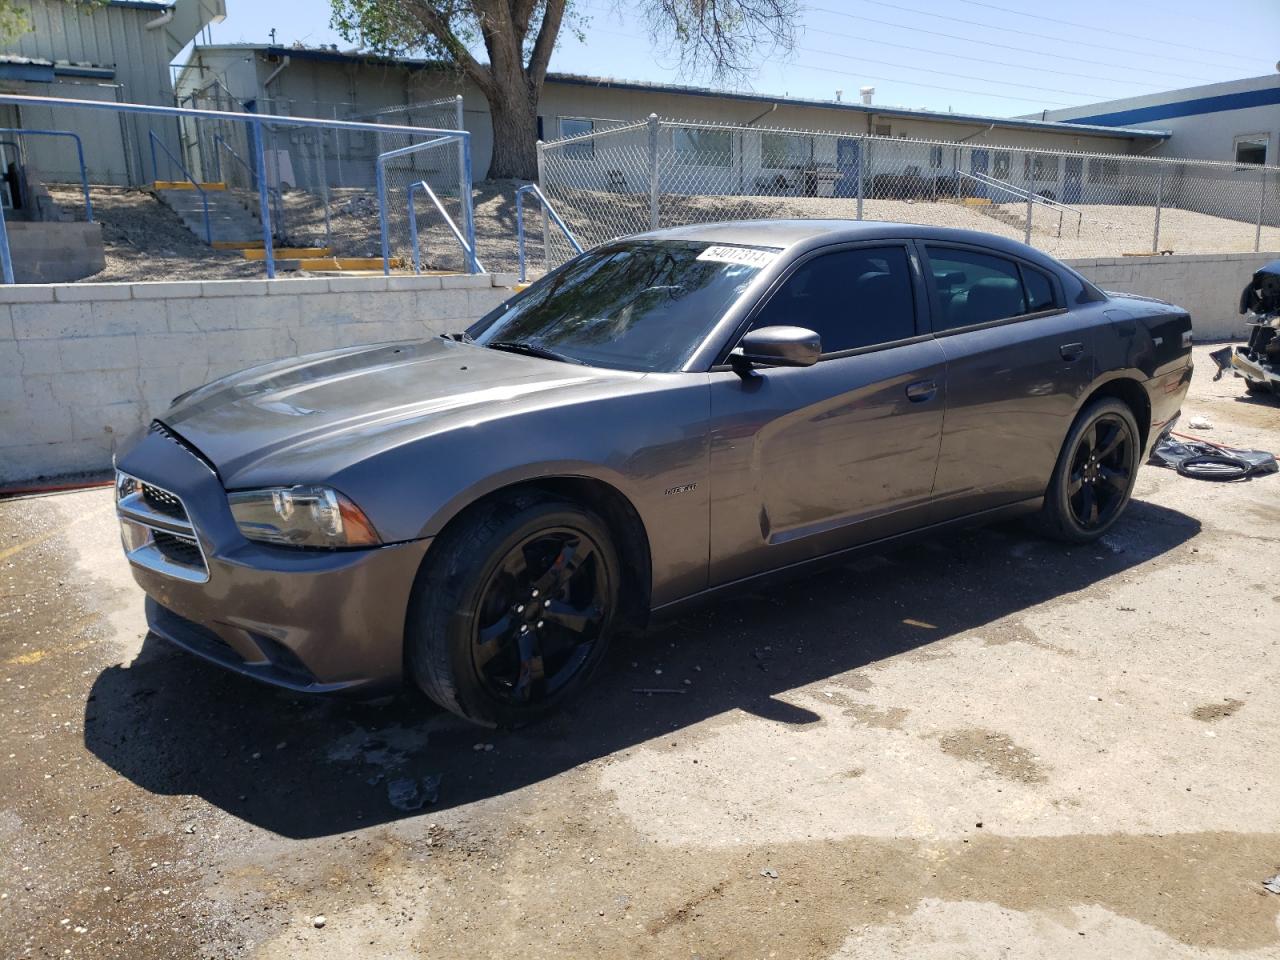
(983, 746)
(145, 240)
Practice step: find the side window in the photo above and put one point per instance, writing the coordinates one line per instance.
(974, 287)
(850, 298)
(1040, 294)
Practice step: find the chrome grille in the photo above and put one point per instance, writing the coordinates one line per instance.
(162, 501)
(157, 532)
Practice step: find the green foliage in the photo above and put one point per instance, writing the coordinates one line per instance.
(14, 22)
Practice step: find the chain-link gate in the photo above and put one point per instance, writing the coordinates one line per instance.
(656, 173)
(251, 188)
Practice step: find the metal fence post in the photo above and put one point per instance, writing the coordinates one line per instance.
(380, 177)
(653, 171)
(1155, 236)
(1026, 235)
(264, 202)
(1262, 206)
(469, 225)
(546, 226)
(6, 261)
(863, 160)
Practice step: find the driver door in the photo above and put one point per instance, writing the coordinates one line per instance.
(805, 461)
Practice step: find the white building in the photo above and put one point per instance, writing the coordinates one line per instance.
(119, 51)
(1237, 121)
(330, 83)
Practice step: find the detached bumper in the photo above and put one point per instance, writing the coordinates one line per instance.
(1252, 370)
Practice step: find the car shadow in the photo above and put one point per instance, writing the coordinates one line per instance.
(311, 766)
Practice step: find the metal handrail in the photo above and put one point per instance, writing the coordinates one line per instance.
(84, 174)
(468, 249)
(277, 196)
(155, 169)
(555, 217)
(380, 174)
(1029, 196)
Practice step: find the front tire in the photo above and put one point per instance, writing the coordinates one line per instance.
(1093, 479)
(512, 611)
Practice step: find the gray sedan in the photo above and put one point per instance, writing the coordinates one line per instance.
(663, 417)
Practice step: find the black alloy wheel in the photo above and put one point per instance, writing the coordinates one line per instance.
(1101, 472)
(540, 613)
(1093, 478)
(512, 610)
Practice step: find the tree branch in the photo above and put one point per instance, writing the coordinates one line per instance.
(540, 58)
(438, 26)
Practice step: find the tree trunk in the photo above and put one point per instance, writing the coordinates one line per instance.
(515, 134)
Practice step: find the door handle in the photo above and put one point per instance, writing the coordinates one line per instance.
(921, 390)
(1071, 351)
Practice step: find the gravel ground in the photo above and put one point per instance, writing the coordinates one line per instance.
(146, 241)
(982, 746)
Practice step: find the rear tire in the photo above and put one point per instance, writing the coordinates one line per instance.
(513, 609)
(1093, 479)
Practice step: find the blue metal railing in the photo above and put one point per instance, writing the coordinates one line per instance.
(532, 188)
(277, 199)
(6, 261)
(155, 170)
(84, 175)
(468, 219)
(255, 124)
(468, 249)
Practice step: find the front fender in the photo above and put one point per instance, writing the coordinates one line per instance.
(651, 447)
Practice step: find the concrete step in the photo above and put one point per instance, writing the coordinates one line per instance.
(184, 185)
(290, 253)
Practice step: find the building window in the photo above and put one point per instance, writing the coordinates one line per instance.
(1039, 168)
(1252, 149)
(1000, 164)
(1104, 171)
(703, 148)
(935, 157)
(576, 126)
(884, 130)
(784, 151)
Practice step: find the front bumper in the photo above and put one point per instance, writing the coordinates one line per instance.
(314, 621)
(1252, 370)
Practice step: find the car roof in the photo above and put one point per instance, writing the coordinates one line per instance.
(791, 233)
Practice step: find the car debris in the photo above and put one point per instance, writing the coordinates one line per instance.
(1203, 460)
(1272, 884)
(409, 794)
(1258, 361)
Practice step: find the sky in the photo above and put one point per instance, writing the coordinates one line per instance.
(993, 57)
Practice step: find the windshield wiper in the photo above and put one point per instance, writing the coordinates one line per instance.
(529, 350)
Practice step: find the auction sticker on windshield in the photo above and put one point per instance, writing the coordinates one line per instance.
(749, 256)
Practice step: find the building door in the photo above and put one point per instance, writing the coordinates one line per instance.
(1071, 179)
(980, 163)
(848, 163)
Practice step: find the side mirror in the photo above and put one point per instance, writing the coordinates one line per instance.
(777, 347)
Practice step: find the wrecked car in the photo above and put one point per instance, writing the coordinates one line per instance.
(663, 417)
(1258, 361)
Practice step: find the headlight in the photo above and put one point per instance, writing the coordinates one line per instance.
(302, 516)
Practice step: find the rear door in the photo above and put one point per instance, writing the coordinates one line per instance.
(1017, 363)
(809, 460)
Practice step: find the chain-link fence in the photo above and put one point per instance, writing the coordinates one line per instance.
(655, 173)
(191, 195)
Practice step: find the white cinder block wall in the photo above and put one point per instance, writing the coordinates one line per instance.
(1207, 285)
(82, 366)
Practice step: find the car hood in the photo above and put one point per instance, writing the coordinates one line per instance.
(306, 417)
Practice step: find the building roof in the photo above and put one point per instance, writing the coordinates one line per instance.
(327, 54)
(1241, 94)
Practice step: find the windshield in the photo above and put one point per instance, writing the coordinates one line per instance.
(637, 305)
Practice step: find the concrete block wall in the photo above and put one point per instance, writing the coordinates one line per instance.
(1207, 285)
(83, 366)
